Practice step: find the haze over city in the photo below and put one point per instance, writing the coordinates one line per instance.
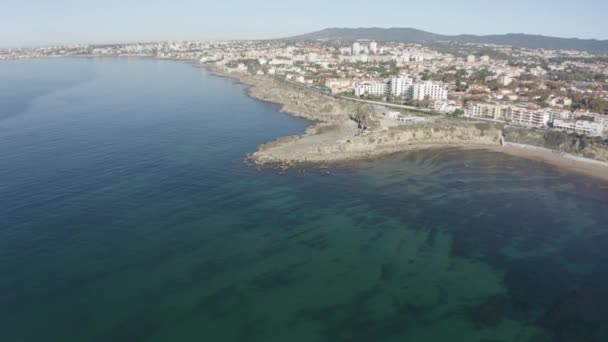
(41, 22)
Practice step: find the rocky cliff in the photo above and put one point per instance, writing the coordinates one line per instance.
(301, 101)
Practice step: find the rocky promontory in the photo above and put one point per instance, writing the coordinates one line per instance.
(346, 130)
(343, 130)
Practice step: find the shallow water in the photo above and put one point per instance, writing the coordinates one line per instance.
(127, 214)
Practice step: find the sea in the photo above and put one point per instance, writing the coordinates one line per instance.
(128, 212)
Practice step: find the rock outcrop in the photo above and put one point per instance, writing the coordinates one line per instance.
(346, 130)
(400, 138)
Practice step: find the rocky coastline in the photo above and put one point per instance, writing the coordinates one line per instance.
(343, 130)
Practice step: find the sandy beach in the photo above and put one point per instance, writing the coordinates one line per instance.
(587, 167)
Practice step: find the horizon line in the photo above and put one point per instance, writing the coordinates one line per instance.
(133, 41)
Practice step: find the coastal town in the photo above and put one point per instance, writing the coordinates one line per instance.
(319, 171)
(542, 89)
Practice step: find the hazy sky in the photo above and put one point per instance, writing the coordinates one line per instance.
(41, 22)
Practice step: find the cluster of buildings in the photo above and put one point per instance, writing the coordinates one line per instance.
(591, 124)
(360, 49)
(402, 87)
(166, 50)
(454, 78)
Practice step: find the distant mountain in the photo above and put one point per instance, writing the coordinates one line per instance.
(411, 35)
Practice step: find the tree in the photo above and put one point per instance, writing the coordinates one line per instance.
(458, 112)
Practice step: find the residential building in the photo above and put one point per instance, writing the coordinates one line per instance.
(373, 88)
(428, 90)
(401, 86)
(493, 111)
(356, 49)
(373, 47)
(600, 118)
(530, 117)
(590, 128)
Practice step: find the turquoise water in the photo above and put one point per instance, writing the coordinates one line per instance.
(128, 214)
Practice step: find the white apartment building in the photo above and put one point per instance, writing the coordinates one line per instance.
(517, 115)
(530, 117)
(376, 88)
(562, 120)
(430, 90)
(492, 111)
(401, 86)
(346, 50)
(373, 47)
(600, 118)
(590, 128)
(356, 49)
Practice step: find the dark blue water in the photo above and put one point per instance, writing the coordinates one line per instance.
(128, 214)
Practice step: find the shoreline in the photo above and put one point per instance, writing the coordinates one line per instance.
(568, 162)
(336, 126)
(584, 166)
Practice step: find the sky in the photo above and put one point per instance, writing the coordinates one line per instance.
(47, 22)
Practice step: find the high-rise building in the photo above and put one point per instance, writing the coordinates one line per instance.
(401, 86)
(356, 48)
(373, 47)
